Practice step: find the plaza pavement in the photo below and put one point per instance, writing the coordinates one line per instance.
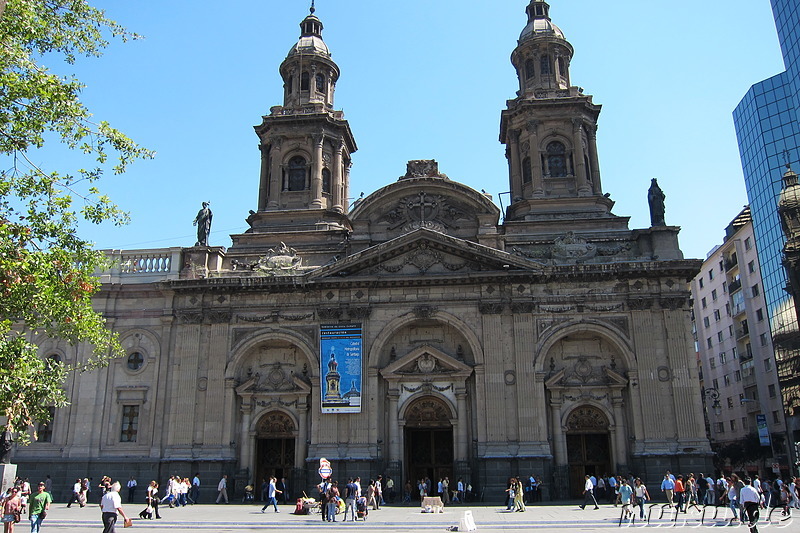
(489, 519)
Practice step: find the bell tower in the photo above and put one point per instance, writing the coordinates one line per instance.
(306, 145)
(549, 129)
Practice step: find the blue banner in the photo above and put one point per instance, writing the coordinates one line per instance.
(763, 429)
(340, 368)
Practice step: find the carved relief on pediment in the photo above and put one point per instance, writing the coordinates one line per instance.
(424, 210)
(423, 259)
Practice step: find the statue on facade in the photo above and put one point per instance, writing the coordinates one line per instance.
(6, 443)
(655, 197)
(203, 223)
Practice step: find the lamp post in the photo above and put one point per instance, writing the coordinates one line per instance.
(713, 395)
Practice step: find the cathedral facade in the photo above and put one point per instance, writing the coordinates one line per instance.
(409, 334)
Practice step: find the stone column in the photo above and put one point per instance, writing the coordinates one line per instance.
(394, 427)
(246, 441)
(301, 448)
(275, 185)
(584, 189)
(346, 186)
(462, 446)
(316, 172)
(593, 161)
(515, 167)
(620, 433)
(559, 441)
(336, 186)
(536, 159)
(263, 183)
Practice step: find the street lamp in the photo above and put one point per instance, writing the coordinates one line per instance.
(713, 394)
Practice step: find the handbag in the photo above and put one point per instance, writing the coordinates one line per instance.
(17, 516)
(128, 522)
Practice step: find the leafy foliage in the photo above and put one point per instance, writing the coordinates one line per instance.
(47, 272)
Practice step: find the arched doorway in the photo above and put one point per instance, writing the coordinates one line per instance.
(275, 441)
(428, 440)
(588, 446)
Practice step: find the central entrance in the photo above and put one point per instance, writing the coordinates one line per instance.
(275, 448)
(428, 441)
(588, 447)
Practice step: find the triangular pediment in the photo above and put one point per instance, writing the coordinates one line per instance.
(607, 378)
(274, 383)
(425, 362)
(425, 252)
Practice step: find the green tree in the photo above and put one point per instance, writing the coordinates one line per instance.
(47, 271)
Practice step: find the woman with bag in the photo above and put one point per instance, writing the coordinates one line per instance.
(12, 510)
(152, 502)
(641, 495)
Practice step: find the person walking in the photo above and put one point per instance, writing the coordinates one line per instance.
(625, 494)
(519, 503)
(38, 506)
(588, 493)
(111, 506)
(75, 497)
(12, 508)
(195, 491)
(642, 496)
(751, 500)
(222, 489)
(668, 488)
(272, 495)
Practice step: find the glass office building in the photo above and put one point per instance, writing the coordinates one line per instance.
(767, 124)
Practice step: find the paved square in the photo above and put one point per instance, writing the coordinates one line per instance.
(492, 519)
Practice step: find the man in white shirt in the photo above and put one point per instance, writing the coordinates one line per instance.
(588, 493)
(131, 489)
(751, 501)
(110, 505)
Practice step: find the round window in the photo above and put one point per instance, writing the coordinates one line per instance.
(135, 361)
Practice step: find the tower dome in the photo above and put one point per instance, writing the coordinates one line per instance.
(539, 22)
(310, 41)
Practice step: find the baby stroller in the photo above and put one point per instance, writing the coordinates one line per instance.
(361, 509)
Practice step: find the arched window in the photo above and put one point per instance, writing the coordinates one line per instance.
(556, 159)
(290, 84)
(527, 176)
(562, 67)
(545, 65)
(530, 69)
(297, 174)
(320, 81)
(305, 81)
(326, 181)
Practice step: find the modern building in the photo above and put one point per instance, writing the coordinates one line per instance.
(735, 346)
(410, 334)
(768, 129)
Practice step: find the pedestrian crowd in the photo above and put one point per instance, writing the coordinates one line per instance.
(744, 496)
(19, 499)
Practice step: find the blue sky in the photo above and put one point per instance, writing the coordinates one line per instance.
(424, 79)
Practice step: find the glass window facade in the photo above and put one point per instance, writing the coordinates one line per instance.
(767, 122)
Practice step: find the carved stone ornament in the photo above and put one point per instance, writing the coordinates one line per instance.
(491, 309)
(571, 248)
(423, 168)
(189, 317)
(423, 259)
(426, 364)
(218, 316)
(424, 311)
(280, 261)
(275, 424)
(330, 313)
(428, 412)
(522, 307)
(587, 418)
(424, 210)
